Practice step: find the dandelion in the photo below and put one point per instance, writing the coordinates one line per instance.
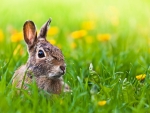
(78, 34)
(52, 41)
(89, 39)
(103, 37)
(16, 37)
(1, 35)
(73, 45)
(88, 25)
(53, 31)
(141, 77)
(102, 103)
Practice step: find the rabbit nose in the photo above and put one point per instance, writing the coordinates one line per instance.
(63, 68)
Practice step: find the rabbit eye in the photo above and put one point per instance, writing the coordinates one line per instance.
(41, 54)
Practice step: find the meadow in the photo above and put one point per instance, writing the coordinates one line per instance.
(106, 45)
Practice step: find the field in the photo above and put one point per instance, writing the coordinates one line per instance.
(106, 45)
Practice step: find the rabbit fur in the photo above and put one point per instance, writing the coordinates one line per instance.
(45, 64)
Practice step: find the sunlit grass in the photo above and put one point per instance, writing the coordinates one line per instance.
(106, 45)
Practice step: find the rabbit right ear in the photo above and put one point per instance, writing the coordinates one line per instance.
(30, 34)
(44, 29)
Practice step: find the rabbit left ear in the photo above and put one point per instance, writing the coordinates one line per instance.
(29, 31)
(44, 29)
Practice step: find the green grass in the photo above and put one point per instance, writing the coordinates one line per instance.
(114, 63)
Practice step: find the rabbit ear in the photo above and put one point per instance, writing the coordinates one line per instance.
(44, 28)
(29, 31)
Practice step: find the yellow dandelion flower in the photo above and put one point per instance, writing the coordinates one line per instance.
(102, 103)
(78, 34)
(103, 37)
(1, 35)
(21, 51)
(52, 41)
(16, 37)
(73, 45)
(89, 39)
(17, 49)
(88, 25)
(141, 77)
(53, 31)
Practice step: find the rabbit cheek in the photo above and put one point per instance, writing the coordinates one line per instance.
(40, 68)
(56, 72)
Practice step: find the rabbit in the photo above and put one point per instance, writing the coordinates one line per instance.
(45, 64)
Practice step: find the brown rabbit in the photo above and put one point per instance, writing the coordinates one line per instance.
(45, 63)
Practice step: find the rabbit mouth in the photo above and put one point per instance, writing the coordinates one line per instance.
(55, 75)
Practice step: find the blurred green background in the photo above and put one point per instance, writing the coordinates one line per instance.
(112, 36)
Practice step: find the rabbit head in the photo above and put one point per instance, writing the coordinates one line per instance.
(44, 58)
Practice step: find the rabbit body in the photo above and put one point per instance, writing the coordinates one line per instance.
(45, 63)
